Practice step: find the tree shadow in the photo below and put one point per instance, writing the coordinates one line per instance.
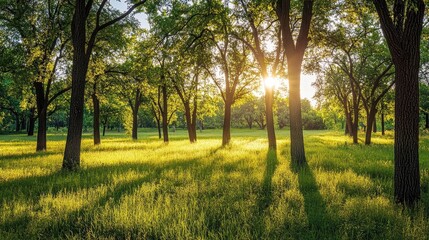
(265, 196)
(320, 223)
(23, 156)
(32, 189)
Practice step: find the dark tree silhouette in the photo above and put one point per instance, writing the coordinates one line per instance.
(403, 35)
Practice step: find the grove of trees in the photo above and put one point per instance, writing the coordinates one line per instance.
(92, 64)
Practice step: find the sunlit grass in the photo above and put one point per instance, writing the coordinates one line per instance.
(146, 189)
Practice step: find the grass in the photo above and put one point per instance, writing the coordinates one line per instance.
(149, 190)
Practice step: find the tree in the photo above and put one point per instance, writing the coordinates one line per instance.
(42, 30)
(237, 80)
(402, 28)
(261, 25)
(82, 50)
(295, 55)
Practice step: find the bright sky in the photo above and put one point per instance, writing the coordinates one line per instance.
(307, 90)
(123, 6)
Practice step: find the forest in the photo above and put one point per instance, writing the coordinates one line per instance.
(214, 119)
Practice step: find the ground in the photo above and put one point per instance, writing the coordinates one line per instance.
(146, 189)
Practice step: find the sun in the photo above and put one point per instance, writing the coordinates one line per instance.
(272, 82)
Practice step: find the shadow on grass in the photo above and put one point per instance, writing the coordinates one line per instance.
(32, 189)
(265, 196)
(320, 224)
(12, 157)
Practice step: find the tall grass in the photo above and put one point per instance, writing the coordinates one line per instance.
(146, 189)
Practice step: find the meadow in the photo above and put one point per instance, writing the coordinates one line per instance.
(146, 189)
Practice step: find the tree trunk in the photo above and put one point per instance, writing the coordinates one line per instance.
(135, 109)
(407, 174)
(42, 105)
(31, 123)
(194, 121)
(403, 36)
(382, 124)
(96, 120)
(346, 128)
(369, 122)
(269, 99)
(296, 134)
(41, 131)
(104, 129)
(355, 124)
(374, 124)
(188, 121)
(135, 127)
(17, 125)
(23, 122)
(226, 134)
(158, 124)
(165, 113)
(71, 159)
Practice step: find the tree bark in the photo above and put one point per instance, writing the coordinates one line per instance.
(407, 174)
(23, 122)
(135, 127)
(226, 133)
(31, 122)
(369, 122)
(96, 120)
(71, 159)
(41, 131)
(296, 134)
(374, 124)
(165, 113)
(135, 110)
(382, 124)
(294, 55)
(17, 121)
(104, 129)
(403, 36)
(158, 124)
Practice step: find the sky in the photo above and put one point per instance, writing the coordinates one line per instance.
(307, 90)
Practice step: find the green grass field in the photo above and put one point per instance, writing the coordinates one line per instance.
(149, 190)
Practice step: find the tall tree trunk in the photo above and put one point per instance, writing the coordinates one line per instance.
(382, 124)
(374, 123)
(403, 36)
(355, 124)
(296, 134)
(346, 128)
(104, 129)
(96, 120)
(407, 174)
(226, 133)
(71, 159)
(188, 120)
(23, 122)
(17, 121)
(41, 131)
(369, 122)
(137, 102)
(269, 99)
(135, 127)
(165, 113)
(31, 123)
(194, 121)
(158, 124)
